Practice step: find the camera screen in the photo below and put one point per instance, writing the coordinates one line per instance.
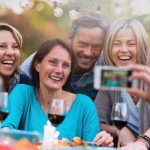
(115, 78)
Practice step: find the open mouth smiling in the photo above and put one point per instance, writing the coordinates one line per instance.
(55, 78)
(125, 58)
(7, 62)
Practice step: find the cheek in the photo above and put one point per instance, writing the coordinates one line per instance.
(97, 54)
(17, 55)
(113, 53)
(1, 55)
(113, 56)
(67, 73)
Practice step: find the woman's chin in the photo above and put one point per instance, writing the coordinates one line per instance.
(127, 63)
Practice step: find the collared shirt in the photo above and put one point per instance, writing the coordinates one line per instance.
(133, 117)
(83, 83)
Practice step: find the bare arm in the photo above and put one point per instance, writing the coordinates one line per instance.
(147, 133)
(124, 136)
(138, 144)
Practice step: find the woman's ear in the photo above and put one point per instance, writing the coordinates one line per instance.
(37, 66)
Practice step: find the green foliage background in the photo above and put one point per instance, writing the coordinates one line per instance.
(37, 26)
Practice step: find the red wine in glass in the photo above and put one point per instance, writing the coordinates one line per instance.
(56, 119)
(119, 123)
(3, 115)
(120, 115)
(56, 111)
(3, 106)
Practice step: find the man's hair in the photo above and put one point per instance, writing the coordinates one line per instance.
(89, 20)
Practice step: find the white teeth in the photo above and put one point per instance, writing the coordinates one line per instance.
(86, 59)
(124, 57)
(56, 78)
(8, 62)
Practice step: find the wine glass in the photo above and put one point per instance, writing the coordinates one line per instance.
(3, 106)
(56, 111)
(119, 115)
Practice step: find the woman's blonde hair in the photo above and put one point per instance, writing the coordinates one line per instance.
(16, 34)
(141, 39)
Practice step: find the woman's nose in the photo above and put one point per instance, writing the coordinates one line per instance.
(59, 68)
(9, 51)
(124, 48)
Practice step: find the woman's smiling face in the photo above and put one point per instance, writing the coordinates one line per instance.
(124, 48)
(9, 53)
(55, 68)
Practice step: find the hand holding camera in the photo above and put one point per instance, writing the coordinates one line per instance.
(112, 78)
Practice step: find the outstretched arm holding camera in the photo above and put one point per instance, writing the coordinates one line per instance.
(141, 72)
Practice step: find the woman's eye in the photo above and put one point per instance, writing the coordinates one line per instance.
(15, 47)
(52, 62)
(12, 46)
(2, 46)
(116, 44)
(66, 65)
(132, 44)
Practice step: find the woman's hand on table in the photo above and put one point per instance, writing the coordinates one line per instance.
(138, 145)
(104, 139)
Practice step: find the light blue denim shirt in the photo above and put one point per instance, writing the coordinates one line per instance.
(133, 120)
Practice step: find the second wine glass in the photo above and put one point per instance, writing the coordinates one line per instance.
(56, 111)
(3, 106)
(120, 115)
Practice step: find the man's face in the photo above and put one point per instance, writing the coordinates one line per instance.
(87, 45)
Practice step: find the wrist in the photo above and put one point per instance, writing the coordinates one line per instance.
(145, 140)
